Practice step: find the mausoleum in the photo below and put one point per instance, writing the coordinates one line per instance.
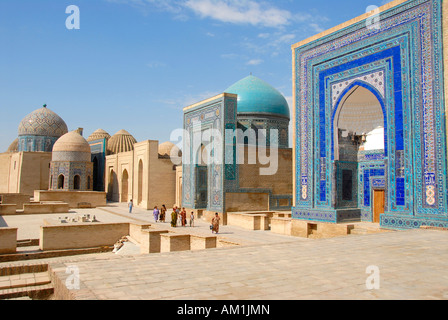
(369, 119)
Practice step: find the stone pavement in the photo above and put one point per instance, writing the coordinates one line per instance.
(412, 265)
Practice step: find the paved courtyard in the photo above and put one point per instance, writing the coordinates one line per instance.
(408, 264)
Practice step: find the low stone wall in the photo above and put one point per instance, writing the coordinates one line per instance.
(281, 226)
(311, 229)
(249, 220)
(75, 199)
(41, 208)
(8, 240)
(181, 242)
(15, 198)
(7, 209)
(77, 236)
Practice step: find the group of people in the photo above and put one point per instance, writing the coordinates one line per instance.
(178, 217)
(159, 215)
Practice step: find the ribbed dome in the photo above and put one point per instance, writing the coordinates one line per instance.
(98, 135)
(14, 147)
(122, 141)
(71, 147)
(257, 96)
(42, 122)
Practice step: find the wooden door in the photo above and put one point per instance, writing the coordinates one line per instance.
(378, 204)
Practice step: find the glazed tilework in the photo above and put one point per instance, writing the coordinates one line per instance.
(42, 122)
(401, 64)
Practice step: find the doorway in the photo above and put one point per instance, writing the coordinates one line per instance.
(124, 186)
(378, 204)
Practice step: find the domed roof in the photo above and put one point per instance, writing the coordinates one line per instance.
(257, 96)
(71, 141)
(14, 147)
(98, 135)
(43, 122)
(122, 141)
(166, 147)
(71, 147)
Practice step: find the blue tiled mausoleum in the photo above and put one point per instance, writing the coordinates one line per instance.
(369, 120)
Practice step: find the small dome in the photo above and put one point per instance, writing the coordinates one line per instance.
(14, 147)
(166, 147)
(71, 147)
(120, 142)
(98, 135)
(42, 122)
(259, 97)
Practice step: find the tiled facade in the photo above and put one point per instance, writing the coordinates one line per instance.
(400, 63)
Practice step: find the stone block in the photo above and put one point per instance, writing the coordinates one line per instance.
(8, 209)
(281, 225)
(150, 240)
(202, 242)
(174, 242)
(8, 240)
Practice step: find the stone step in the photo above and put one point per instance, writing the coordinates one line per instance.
(40, 292)
(24, 280)
(34, 285)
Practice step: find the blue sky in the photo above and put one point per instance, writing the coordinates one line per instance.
(135, 64)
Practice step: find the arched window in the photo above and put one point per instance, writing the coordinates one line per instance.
(61, 179)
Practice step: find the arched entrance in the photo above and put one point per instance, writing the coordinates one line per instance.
(95, 174)
(124, 186)
(202, 177)
(77, 182)
(61, 180)
(359, 150)
(140, 182)
(112, 186)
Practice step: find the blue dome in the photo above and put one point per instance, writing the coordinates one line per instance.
(257, 96)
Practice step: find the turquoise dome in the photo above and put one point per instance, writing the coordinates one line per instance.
(257, 96)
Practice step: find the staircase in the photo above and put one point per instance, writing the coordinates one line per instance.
(32, 281)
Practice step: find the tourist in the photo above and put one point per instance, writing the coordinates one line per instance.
(183, 214)
(192, 219)
(215, 223)
(174, 217)
(131, 204)
(156, 214)
(162, 213)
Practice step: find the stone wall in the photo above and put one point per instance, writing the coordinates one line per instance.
(72, 236)
(75, 199)
(24, 172)
(246, 201)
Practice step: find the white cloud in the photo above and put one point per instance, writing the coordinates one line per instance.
(229, 55)
(155, 64)
(254, 62)
(240, 12)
